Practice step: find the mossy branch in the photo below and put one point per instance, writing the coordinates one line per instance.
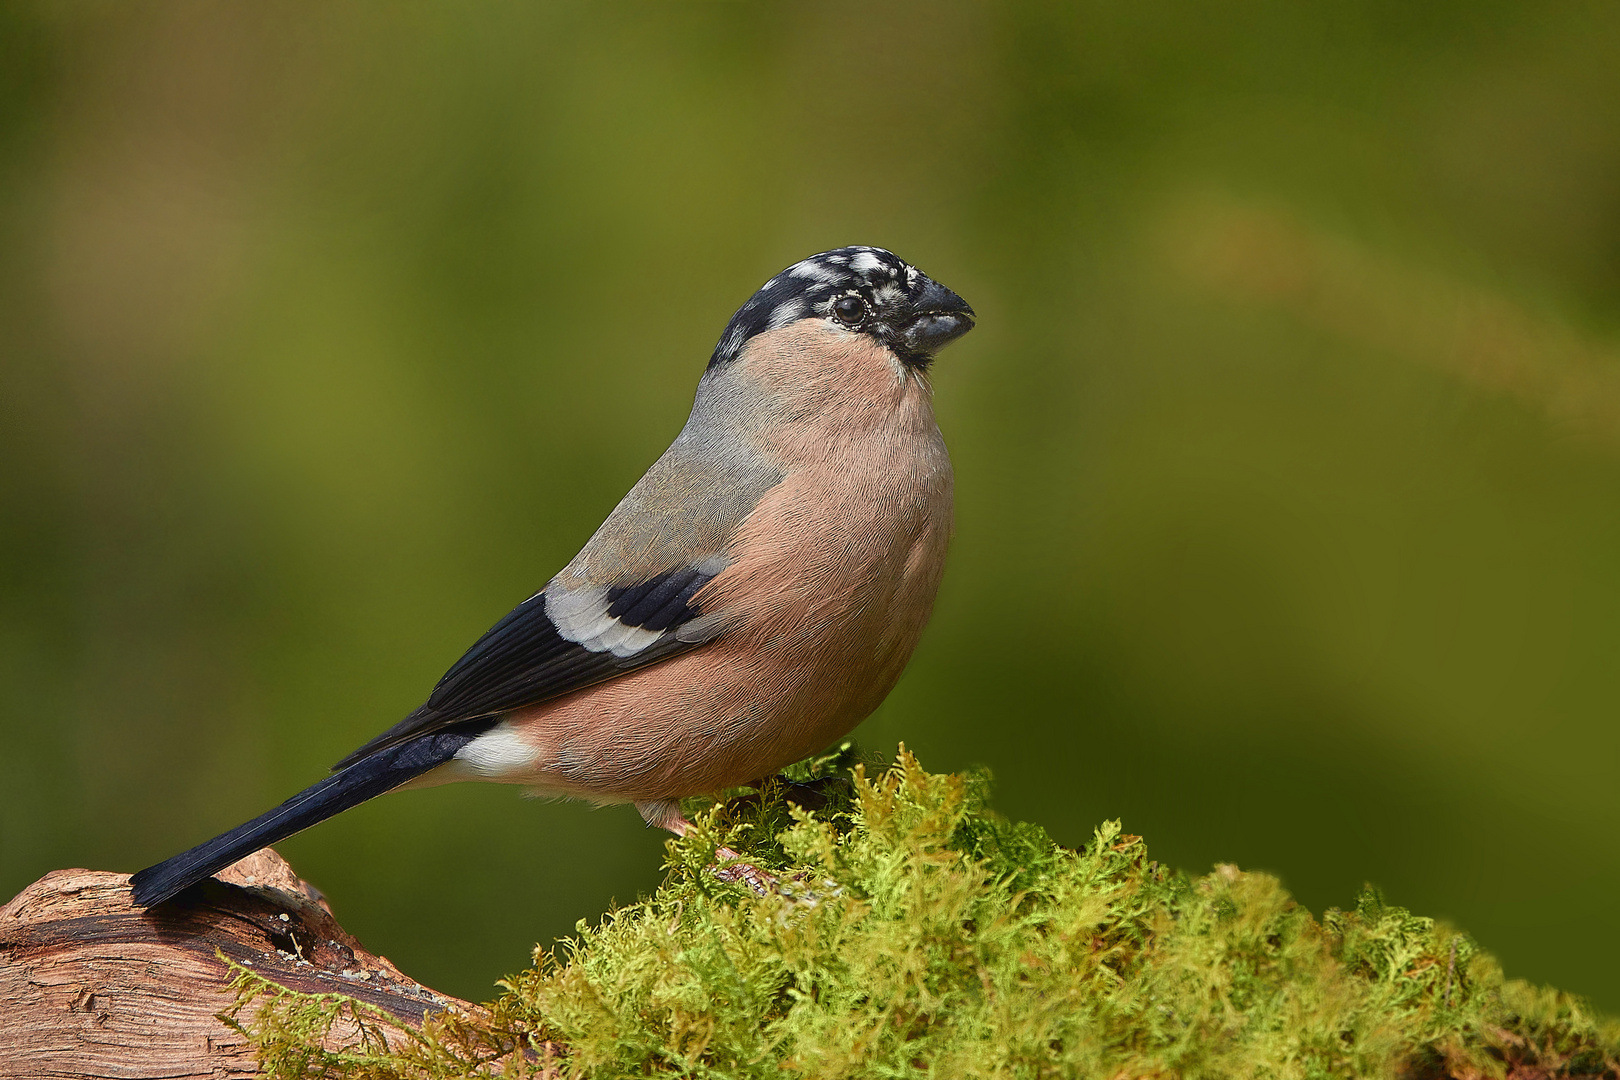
(911, 932)
(93, 986)
(886, 925)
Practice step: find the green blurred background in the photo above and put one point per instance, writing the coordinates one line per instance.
(1288, 446)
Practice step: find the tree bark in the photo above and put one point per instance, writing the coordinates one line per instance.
(92, 986)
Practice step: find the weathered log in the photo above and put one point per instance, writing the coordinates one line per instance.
(92, 986)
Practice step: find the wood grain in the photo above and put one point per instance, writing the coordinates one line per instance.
(92, 986)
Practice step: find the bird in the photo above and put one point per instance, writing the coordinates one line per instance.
(754, 597)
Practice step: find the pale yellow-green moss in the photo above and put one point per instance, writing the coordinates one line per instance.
(912, 933)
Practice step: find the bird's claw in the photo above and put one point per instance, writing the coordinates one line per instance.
(729, 867)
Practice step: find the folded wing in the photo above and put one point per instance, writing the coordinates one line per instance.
(559, 641)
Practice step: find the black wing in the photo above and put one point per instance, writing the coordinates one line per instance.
(525, 659)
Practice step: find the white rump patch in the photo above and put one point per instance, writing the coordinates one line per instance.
(499, 753)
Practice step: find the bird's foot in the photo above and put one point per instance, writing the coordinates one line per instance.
(729, 866)
(664, 814)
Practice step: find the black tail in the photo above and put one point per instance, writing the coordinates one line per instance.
(365, 779)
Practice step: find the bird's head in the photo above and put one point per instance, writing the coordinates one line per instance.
(854, 291)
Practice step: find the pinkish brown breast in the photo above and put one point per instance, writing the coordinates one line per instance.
(832, 579)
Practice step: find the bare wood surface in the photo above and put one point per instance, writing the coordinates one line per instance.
(92, 986)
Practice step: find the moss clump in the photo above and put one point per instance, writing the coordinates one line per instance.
(911, 932)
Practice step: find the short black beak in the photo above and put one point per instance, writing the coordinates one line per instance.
(940, 318)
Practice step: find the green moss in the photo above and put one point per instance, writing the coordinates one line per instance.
(912, 933)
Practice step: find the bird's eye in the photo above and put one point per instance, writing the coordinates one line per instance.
(850, 310)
